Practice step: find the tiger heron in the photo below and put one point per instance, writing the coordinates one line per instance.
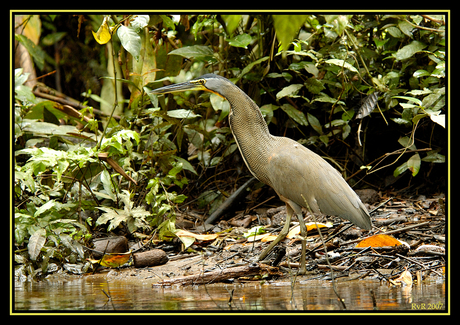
(299, 176)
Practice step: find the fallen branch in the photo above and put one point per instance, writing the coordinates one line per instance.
(214, 276)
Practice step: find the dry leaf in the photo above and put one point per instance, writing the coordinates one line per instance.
(379, 241)
(185, 233)
(309, 225)
(268, 238)
(258, 237)
(112, 259)
(115, 260)
(405, 279)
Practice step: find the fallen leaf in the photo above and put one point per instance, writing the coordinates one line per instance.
(309, 225)
(379, 241)
(185, 233)
(405, 279)
(115, 260)
(112, 260)
(268, 238)
(258, 237)
(254, 231)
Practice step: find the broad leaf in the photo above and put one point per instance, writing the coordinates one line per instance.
(130, 40)
(409, 50)
(198, 52)
(36, 242)
(295, 114)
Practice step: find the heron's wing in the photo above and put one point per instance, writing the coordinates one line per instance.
(295, 171)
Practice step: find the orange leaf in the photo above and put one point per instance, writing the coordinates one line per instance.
(185, 233)
(115, 260)
(309, 225)
(379, 241)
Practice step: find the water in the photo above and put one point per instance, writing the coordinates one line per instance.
(87, 293)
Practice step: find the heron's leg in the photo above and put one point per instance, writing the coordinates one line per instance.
(293, 207)
(303, 233)
(281, 235)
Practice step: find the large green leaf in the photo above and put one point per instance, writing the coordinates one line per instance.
(295, 114)
(413, 164)
(241, 40)
(342, 63)
(130, 40)
(37, 53)
(198, 52)
(409, 50)
(287, 27)
(289, 91)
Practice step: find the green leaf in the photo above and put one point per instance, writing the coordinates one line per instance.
(411, 99)
(130, 40)
(115, 216)
(232, 22)
(295, 114)
(434, 157)
(324, 98)
(400, 169)
(287, 27)
(254, 231)
(406, 28)
(413, 164)
(185, 164)
(289, 91)
(199, 52)
(314, 85)
(406, 142)
(409, 50)
(34, 50)
(342, 63)
(45, 207)
(314, 122)
(242, 40)
(395, 32)
(182, 113)
(421, 73)
(250, 66)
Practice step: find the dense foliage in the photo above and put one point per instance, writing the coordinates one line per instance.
(367, 92)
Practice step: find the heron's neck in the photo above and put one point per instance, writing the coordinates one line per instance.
(251, 132)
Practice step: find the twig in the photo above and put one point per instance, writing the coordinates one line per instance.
(416, 262)
(214, 276)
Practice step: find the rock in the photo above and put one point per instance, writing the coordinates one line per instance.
(368, 195)
(117, 244)
(152, 257)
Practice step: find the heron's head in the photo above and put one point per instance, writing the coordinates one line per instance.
(208, 82)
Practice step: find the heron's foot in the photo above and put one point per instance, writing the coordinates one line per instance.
(302, 270)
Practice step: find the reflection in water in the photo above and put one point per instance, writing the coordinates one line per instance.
(86, 294)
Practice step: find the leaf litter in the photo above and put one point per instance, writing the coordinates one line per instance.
(407, 241)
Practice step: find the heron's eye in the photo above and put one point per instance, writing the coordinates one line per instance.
(199, 82)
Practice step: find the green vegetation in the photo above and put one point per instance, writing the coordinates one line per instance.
(126, 161)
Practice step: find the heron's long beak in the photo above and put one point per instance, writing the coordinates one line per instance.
(178, 88)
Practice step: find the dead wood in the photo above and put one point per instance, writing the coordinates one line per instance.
(116, 244)
(214, 276)
(152, 257)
